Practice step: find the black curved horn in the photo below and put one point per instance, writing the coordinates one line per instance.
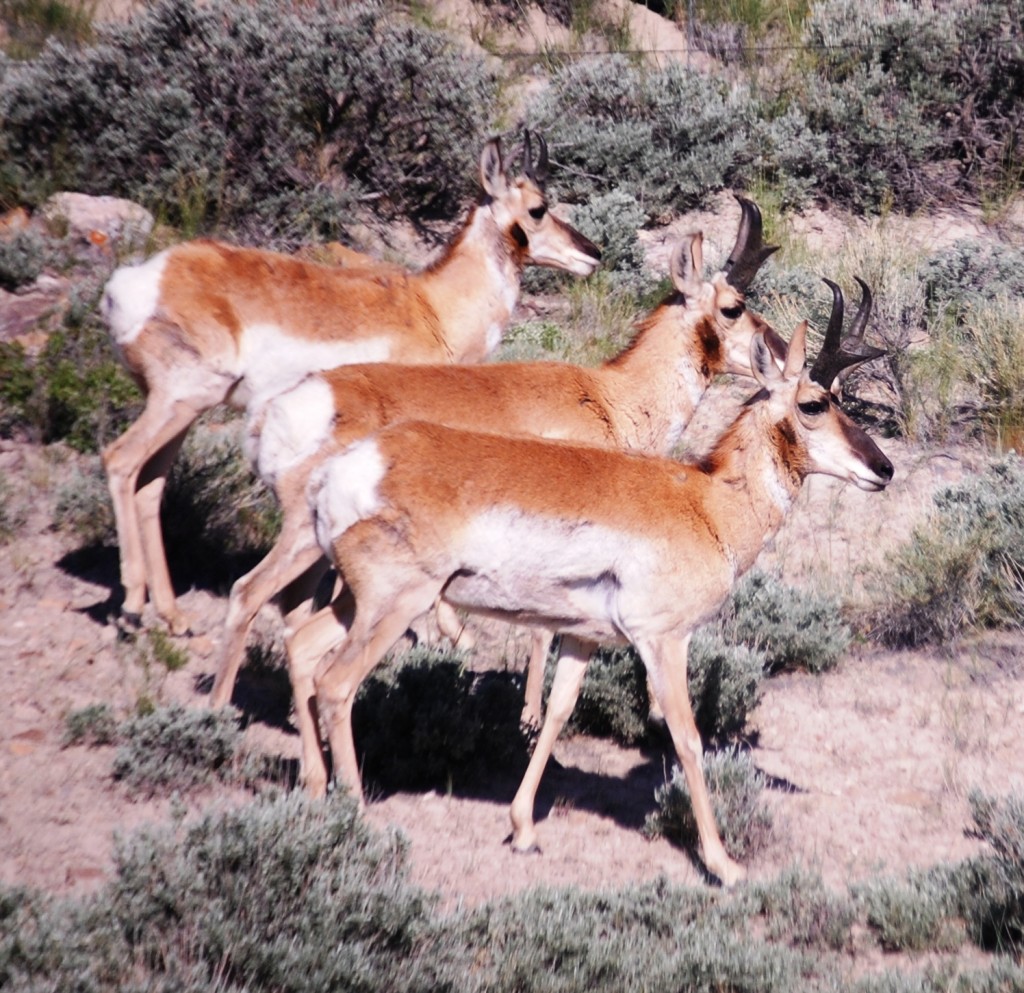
(535, 169)
(749, 252)
(833, 359)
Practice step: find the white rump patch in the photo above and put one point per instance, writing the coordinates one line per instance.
(274, 360)
(344, 490)
(131, 297)
(294, 426)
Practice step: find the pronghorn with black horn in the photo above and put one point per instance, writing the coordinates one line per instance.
(205, 322)
(601, 545)
(641, 400)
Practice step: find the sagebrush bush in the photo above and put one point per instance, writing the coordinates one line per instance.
(915, 914)
(962, 569)
(29, 24)
(724, 685)
(800, 910)
(794, 628)
(275, 119)
(735, 786)
(611, 221)
(281, 895)
(75, 390)
(423, 720)
(989, 889)
(22, 256)
(94, 724)
(667, 138)
(902, 91)
(176, 748)
(83, 506)
(216, 511)
(12, 512)
(969, 273)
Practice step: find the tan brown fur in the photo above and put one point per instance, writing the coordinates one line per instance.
(603, 545)
(204, 322)
(639, 400)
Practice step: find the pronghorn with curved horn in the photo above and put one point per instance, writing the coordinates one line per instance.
(204, 322)
(640, 400)
(602, 545)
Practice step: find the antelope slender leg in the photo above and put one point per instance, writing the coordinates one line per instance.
(124, 459)
(337, 678)
(572, 666)
(665, 660)
(453, 627)
(294, 553)
(540, 646)
(324, 632)
(150, 492)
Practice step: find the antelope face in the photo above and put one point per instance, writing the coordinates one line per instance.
(521, 211)
(810, 431)
(724, 327)
(835, 445)
(736, 327)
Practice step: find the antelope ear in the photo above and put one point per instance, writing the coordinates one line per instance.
(686, 265)
(797, 355)
(492, 171)
(762, 362)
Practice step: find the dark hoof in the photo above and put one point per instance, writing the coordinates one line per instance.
(128, 622)
(534, 849)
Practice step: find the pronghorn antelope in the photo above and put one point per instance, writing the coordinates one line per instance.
(204, 322)
(602, 545)
(640, 400)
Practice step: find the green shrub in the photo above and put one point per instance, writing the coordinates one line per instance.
(91, 725)
(970, 273)
(423, 720)
(801, 911)
(17, 383)
(75, 390)
(735, 786)
(281, 895)
(794, 628)
(990, 888)
(611, 221)
(216, 510)
(175, 748)
(650, 937)
(724, 685)
(12, 512)
(273, 118)
(962, 569)
(83, 506)
(666, 138)
(31, 23)
(916, 914)
(21, 259)
(881, 110)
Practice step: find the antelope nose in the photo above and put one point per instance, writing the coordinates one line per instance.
(885, 470)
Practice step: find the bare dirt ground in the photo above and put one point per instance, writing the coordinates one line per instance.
(870, 764)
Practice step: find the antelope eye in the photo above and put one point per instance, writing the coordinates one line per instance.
(537, 213)
(731, 313)
(813, 407)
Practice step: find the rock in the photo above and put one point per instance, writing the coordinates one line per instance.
(27, 317)
(100, 221)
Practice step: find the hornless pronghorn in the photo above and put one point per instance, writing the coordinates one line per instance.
(640, 400)
(602, 545)
(203, 322)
